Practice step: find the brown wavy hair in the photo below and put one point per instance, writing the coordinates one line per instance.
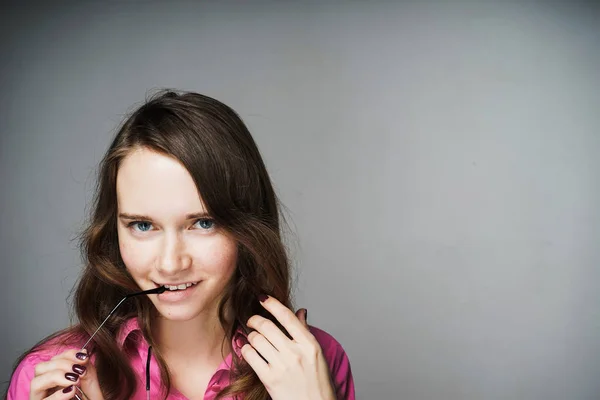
(214, 145)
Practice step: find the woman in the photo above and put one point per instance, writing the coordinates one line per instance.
(184, 203)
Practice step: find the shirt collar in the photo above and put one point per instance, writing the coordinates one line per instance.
(131, 327)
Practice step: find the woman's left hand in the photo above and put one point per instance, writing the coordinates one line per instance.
(295, 369)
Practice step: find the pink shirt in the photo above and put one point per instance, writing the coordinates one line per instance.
(137, 350)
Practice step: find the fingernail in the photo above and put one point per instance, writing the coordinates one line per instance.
(262, 298)
(244, 341)
(81, 356)
(306, 315)
(68, 389)
(241, 341)
(80, 369)
(71, 376)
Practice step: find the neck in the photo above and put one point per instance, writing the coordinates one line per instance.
(201, 338)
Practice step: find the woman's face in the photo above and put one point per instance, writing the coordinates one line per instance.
(166, 237)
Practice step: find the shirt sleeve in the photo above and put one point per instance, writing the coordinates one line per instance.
(18, 388)
(339, 364)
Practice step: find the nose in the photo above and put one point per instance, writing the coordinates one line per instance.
(174, 257)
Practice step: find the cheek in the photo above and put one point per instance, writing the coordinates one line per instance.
(135, 259)
(220, 258)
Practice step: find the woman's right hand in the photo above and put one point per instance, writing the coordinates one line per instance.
(56, 379)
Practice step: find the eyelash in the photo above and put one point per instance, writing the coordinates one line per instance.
(133, 223)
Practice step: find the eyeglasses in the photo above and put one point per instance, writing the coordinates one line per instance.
(148, 373)
(80, 395)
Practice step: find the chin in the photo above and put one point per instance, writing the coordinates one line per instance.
(181, 314)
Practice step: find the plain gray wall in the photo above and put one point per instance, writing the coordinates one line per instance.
(440, 163)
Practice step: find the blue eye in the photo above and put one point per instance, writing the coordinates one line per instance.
(206, 223)
(144, 225)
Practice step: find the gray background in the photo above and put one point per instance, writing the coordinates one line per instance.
(440, 163)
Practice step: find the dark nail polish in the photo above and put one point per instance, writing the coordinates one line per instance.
(81, 356)
(80, 369)
(68, 389)
(306, 315)
(262, 297)
(71, 376)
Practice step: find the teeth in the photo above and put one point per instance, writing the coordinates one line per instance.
(183, 286)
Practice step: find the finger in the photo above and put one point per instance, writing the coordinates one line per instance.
(270, 331)
(302, 314)
(42, 383)
(77, 356)
(67, 365)
(253, 359)
(287, 319)
(264, 347)
(63, 394)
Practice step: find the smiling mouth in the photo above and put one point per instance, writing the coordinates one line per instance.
(176, 287)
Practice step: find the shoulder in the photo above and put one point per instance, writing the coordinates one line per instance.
(338, 362)
(24, 371)
(331, 348)
(20, 381)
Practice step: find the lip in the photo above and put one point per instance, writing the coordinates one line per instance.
(174, 284)
(174, 296)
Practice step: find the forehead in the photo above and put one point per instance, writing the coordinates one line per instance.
(155, 184)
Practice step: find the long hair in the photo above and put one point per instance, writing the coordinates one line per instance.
(214, 145)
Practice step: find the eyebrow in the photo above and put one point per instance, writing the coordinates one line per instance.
(140, 217)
